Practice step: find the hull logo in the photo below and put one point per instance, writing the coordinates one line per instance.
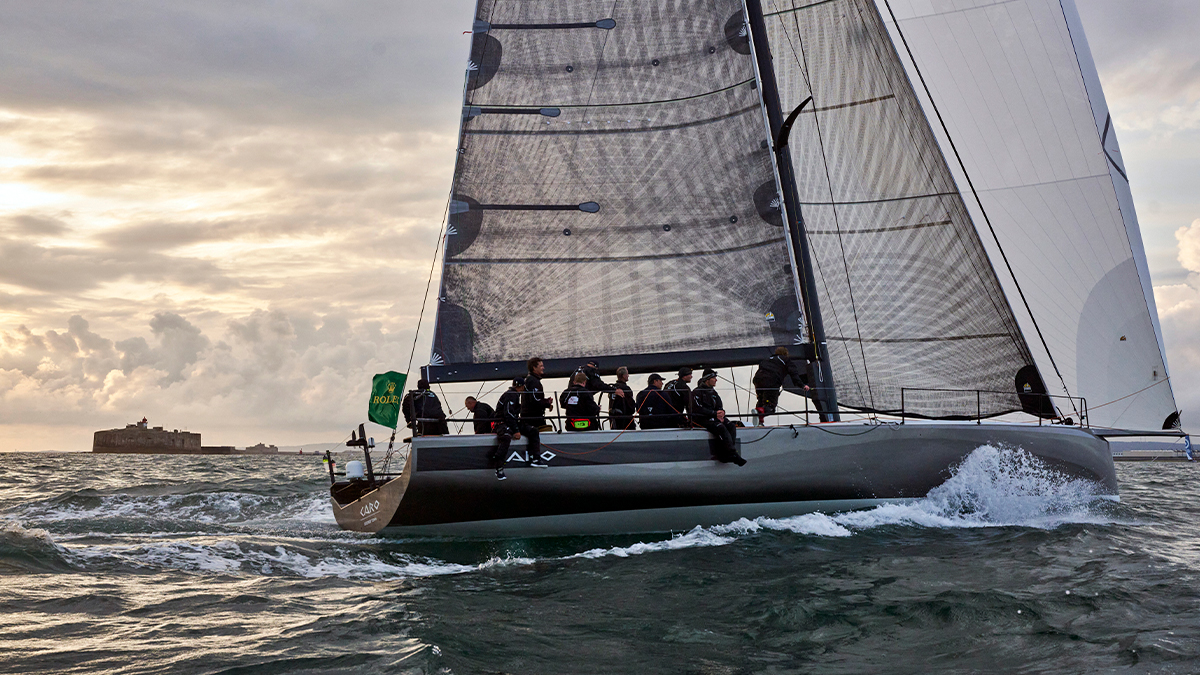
(368, 509)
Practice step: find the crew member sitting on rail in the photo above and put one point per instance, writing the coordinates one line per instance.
(708, 411)
(484, 417)
(423, 411)
(654, 411)
(509, 428)
(582, 412)
(768, 381)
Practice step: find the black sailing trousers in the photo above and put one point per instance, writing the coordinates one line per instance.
(499, 453)
(726, 434)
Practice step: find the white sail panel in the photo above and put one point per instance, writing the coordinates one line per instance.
(909, 299)
(1008, 79)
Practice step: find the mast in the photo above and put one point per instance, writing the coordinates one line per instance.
(826, 394)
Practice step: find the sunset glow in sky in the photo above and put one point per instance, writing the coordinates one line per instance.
(221, 215)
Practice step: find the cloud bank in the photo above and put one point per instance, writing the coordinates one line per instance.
(221, 215)
(269, 375)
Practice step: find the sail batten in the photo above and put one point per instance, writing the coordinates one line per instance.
(655, 126)
(904, 280)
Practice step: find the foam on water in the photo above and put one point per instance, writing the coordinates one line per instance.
(227, 556)
(210, 508)
(256, 534)
(993, 487)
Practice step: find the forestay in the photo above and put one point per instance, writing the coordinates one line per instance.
(614, 193)
(1015, 84)
(909, 297)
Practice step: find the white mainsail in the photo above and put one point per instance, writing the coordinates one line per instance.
(1023, 109)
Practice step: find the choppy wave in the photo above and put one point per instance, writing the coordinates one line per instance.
(30, 550)
(147, 512)
(239, 533)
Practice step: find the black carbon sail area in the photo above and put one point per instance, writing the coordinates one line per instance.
(614, 194)
(908, 295)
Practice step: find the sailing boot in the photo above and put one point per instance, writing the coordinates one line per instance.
(500, 474)
(762, 416)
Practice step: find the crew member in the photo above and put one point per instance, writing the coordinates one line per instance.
(592, 371)
(534, 403)
(510, 426)
(679, 394)
(621, 406)
(768, 381)
(582, 412)
(654, 410)
(423, 411)
(484, 416)
(708, 411)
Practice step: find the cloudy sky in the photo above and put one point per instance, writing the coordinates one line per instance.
(220, 215)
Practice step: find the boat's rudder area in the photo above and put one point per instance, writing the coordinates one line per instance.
(362, 505)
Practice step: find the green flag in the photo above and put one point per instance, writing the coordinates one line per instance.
(386, 390)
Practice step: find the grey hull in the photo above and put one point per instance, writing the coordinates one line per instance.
(664, 480)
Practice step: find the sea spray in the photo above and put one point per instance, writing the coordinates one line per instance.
(993, 486)
(246, 534)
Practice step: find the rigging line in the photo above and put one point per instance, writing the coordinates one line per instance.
(442, 234)
(816, 260)
(957, 238)
(736, 401)
(981, 270)
(600, 61)
(429, 281)
(637, 411)
(836, 220)
(978, 200)
(454, 412)
(479, 393)
(1097, 407)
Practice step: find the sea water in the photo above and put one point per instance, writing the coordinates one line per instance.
(184, 564)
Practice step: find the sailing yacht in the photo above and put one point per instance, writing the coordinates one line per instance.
(924, 198)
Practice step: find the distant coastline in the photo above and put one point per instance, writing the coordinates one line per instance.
(141, 439)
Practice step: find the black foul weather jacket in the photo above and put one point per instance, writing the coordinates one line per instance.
(484, 417)
(621, 408)
(705, 404)
(508, 412)
(772, 371)
(594, 382)
(679, 395)
(579, 403)
(424, 405)
(534, 402)
(653, 409)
